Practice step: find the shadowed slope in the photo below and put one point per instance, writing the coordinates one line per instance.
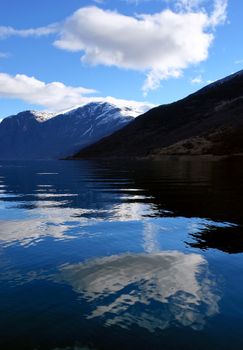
(214, 113)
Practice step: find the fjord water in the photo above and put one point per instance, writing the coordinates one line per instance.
(128, 255)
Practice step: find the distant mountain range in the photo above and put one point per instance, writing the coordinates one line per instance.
(209, 121)
(40, 135)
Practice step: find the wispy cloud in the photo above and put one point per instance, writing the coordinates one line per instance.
(219, 14)
(99, 1)
(161, 45)
(239, 61)
(6, 32)
(197, 80)
(4, 55)
(187, 5)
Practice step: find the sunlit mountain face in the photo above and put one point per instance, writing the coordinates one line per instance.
(42, 135)
(120, 255)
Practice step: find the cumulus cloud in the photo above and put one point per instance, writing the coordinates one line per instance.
(53, 96)
(56, 96)
(161, 45)
(164, 42)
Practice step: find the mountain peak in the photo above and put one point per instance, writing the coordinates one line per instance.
(39, 116)
(125, 108)
(41, 135)
(42, 116)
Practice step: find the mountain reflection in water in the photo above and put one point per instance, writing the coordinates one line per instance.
(129, 255)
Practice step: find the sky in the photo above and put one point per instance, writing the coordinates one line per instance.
(62, 53)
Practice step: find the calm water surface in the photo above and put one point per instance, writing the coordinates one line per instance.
(138, 255)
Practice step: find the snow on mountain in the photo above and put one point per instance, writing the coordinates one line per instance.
(42, 116)
(44, 135)
(127, 108)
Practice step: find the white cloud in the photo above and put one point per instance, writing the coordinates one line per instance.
(219, 14)
(161, 45)
(197, 80)
(6, 32)
(142, 42)
(179, 4)
(188, 5)
(53, 96)
(56, 96)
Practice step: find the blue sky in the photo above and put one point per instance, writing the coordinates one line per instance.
(55, 54)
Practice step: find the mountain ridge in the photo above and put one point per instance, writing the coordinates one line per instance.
(212, 113)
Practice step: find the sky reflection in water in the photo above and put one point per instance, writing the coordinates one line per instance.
(122, 249)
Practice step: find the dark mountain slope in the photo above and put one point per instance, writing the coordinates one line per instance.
(214, 113)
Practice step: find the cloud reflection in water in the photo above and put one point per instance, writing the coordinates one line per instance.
(123, 289)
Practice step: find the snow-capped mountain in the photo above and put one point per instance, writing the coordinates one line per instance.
(41, 116)
(42, 135)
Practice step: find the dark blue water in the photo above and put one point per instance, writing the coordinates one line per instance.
(135, 255)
